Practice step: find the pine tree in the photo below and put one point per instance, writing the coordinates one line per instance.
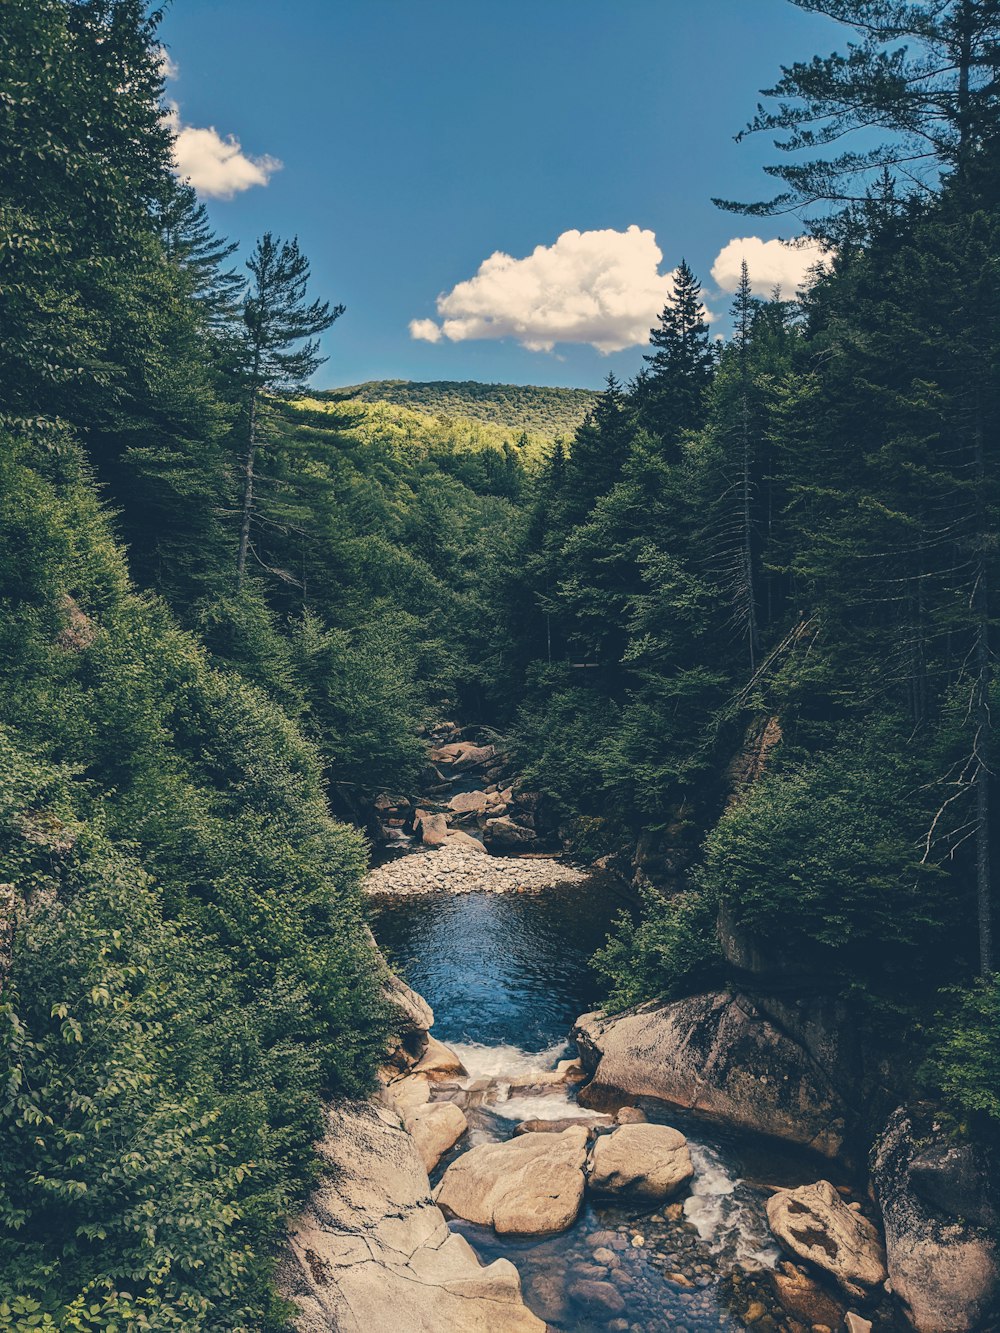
(600, 448)
(926, 72)
(673, 392)
(281, 348)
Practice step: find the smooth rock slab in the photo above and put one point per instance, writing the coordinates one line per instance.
(372, 1252)
(814, 1223)
(640, 1162)
(528, 1186)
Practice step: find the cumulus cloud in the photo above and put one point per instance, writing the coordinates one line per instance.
(425, 330)
(604, 288)
(214, 164)
(770, 263)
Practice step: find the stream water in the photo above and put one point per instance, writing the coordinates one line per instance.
(506, 975)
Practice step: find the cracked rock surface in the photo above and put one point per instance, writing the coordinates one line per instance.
(372, 1251)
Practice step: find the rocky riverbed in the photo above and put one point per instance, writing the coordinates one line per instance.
(466, 867)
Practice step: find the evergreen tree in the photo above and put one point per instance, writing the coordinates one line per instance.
(673, 392)
(281, 351)
(927, 72)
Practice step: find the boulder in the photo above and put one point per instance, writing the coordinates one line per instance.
(439, 1062)
(532, 1185)
(372, 1251)
(631, 1115)
(805, 1300)
(716, 1054)
(645, 1163)
(814, 1223)
(433, 829)
(465, 841)
(469, 803)
(600, 1297)
(435, 1127)
(462, 755)
(943, 1267)
(503, 834)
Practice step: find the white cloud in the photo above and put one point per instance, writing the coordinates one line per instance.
(771, 264)
(215, 165)
(604, 288)
(425, 330)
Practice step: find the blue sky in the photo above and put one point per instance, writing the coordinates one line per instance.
(418, 137)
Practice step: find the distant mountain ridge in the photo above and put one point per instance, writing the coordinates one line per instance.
(528, 407)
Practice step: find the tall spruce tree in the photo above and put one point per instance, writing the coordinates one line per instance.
(282, 348)
(672, 398)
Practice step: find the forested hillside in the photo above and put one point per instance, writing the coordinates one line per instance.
(221, 616)
(512, 407)
(227, 606)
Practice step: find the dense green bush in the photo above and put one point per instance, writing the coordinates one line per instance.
(190, 975)
(670, 951)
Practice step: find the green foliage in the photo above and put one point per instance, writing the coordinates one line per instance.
(191, 975)
(671, 951)
(965, 1061)
(545, 412)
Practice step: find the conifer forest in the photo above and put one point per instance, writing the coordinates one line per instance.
(687, 686)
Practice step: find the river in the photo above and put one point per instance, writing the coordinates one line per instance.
(506, 975)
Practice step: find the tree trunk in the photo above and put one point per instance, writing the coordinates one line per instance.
(982, 720)
(248, 480)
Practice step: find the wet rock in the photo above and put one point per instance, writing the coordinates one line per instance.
(803, 1298)
(439, 1062)
(565, 1072)
(371, 1251)
(532, 1185)
(547, 1295)
(599, 1296)
(631, 1115)
(435, 1128)
(814, 1223)
(717, 1054)
(564, 1122)
(640, 1162)
(945, 1270)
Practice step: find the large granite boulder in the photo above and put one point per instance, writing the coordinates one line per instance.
(642, 1163)
(435, 1127)
(813, 1223)
(940, 1228)
(372, 1251)
(718, 1055)
(527, 1186)
(469, 803)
